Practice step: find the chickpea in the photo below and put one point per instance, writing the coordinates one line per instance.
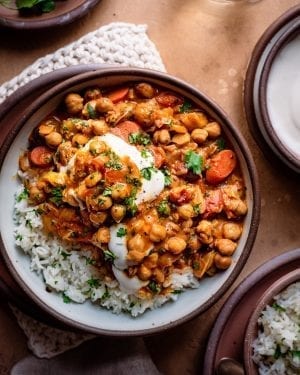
(98, 218)
(92, 94)
(135, 256)
(54, 139)
(158, 275)
(118, 212)
(99, 127)
(222, 262)
(79, 140)
(137, 242)
(166, 260)
(204, 229)
(36, 195)
(213, 129)
(145, 90)
(162, 136)
(186, 211)
(241, 208)
(181, 139)
(194, 243)
(178, 128)
(104, 202)
(138, 225)
(157, 232)
(74, 103)
(232, 231)
(226, 247)
(199, 135)
(143, 112)
(97, 147)
(120, 191)
(176, 245)
(144, 273)
(102, 235)
(151, 260)
(24, 162)
(45, 129)
(194, 120)
(92, 179)
(104, 105)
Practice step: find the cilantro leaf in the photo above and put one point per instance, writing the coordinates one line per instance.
(109, 256)
(194, 162)
(66, 298)
(121, 232)
(139, 138)
(221, 144)
(146, 172)
(56, 195)
(163, 208)
(185, 107)
(154, 287)
(23, 195)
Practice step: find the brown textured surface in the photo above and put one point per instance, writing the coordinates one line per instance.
(208, 46)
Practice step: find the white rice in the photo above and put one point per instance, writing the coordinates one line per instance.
(69, 272)
(277, 347)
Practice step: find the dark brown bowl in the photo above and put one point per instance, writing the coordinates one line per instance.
(66, 11)
(252, 328)
(191, 303)
(272, 136)
(253, 80)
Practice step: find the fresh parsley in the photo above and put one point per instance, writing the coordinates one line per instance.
(107, 191)
(163, 208)
(109, 256)
(91, 111)
(278, 307)
(44, 6)
(93, 283)
(185, 107)
(194, 162)
(23, 195)
(168, 176)
(56, 195)
(66, 298)
(131, 204)
(139, 139)
(221, 144)
(147, 172)
(121, 232)
(154, 287)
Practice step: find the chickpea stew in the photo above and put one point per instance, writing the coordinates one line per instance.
(141, 180)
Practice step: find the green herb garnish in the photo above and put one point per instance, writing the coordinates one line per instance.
(139, 139)
(66, 298)
(91, 111)
(221, 144)
(185, 107)
(44, 6)
(168, 176)
(278, 307)
(107, 191)
(194, 162)
(93, 283)
(56, 195)
(146, 172)
(121, 232)
(23, 195)
(154, 287)
(163, 208)
(109, 256)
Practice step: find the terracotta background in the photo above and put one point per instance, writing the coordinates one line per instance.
(208, 45)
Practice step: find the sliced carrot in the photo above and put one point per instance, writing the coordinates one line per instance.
(159, 156)
(220, 166)
(166, 99)
(125, 128)
(41, 156)
(119, 94)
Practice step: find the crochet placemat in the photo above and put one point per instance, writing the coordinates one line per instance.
(115, 44)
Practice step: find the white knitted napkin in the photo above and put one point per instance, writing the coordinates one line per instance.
(117, 43)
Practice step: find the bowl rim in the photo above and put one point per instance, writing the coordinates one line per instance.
(235, 133)
(57, 20)
(280, 43)
(248, 89)
(252, 328)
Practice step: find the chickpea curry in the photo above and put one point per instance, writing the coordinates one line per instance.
(143, 179)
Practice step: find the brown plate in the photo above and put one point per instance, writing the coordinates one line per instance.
(227, 336)
(11, 110)
(257, 61)
(66, 11)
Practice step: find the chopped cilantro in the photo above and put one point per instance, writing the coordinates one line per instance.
(23, 195)
(295, 353)
(28, 223)
(177, 291)
(44, 6)
(168, 177)
(114, 161)
(90, 261)
(185, 107)
(278, 307)
(145, 153)
(196, 265)
(194, 162)
(56, 195)
(139, 139)
(221, 144)
(65, 255)
(131, 204)
(146, 172)
(121, 232)
(106, 294)
(133, 181)
(196, 209)
(154, 287)
(163, 208)
(93, 283)
(277, 353)
(107, 191)
(66, 298)
(109, 256)
(19, 237)
(91, 111)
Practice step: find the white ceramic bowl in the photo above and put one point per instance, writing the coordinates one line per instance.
(87, 316)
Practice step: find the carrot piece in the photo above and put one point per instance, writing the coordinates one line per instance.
(119, 94)
(125, 128)
(159, 156)
(41, 156)
(220, 167)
